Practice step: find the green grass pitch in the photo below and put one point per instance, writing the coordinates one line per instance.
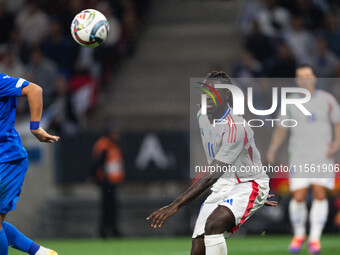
(273, 245)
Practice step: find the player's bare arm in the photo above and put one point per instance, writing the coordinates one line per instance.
(201, 185)
(277, 139)
(34, 96)
(335, 146)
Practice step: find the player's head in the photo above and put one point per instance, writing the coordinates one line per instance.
(218, 77)
(305, 77)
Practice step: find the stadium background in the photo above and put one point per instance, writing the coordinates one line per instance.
(140, 79)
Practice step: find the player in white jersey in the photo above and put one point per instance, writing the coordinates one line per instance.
(310, 146)
(236, 193)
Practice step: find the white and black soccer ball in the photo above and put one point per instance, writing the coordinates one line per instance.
(89, 28)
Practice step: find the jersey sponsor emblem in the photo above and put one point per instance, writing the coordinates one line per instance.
(19, 83)
(229, 201)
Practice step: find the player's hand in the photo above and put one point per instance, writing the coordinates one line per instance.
(271, 156)
(161, 215)
(44, 137)
(270, 203)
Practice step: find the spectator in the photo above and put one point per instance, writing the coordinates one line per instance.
(283, 65)
(44, 72)
(32, 23)
(324, 60)
(109, 172)
(299, 41)
(258, 44)
(107, 54)
(273, 19)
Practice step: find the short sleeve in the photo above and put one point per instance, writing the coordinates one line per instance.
(334, 109)
(232, 144)
(11, 86)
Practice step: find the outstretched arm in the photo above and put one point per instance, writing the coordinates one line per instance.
(277, 139)
(205, 182)
(35, 101)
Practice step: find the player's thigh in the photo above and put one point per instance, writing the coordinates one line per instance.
(198, 247)
(220, 220)
(209, 205)
(319, 192)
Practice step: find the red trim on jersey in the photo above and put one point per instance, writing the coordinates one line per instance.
(330, 109)
(238, 179)
(245, 137)
(250, 152)
(250, 205)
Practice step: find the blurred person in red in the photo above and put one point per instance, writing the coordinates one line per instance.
(108, 172)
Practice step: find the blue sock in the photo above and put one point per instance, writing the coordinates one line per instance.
(17, 240)
(3, 243)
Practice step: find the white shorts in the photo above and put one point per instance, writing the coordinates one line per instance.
(243, 199)
(304, 177)
(301, 183)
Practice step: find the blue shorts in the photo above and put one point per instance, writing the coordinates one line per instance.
(12, 175)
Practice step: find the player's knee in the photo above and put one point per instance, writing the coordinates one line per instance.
(299, 197)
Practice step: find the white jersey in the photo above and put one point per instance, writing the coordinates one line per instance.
(311, 138)
(232, 143)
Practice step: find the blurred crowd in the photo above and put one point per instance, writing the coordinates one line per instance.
(281, 34)
(36, 44)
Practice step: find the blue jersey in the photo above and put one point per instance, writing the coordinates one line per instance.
(10, 143)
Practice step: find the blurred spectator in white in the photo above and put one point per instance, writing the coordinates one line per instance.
(11, 65)
(332, 33)
(107, 54)
(6, 24)
(283, 64)
(43, 72)
(248, 13)
(300, 41)
(33, 23)
(273, 19)
(115, 29)
(258, 44)
(324, 60)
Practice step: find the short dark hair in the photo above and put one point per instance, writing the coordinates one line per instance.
(220, 75)
(305, 66)
(224, 78)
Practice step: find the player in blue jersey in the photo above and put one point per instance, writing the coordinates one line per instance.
(13, 158)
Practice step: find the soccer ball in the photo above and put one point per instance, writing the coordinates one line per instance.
(89, 28)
